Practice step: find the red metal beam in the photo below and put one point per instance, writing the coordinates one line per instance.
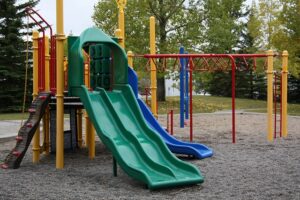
(30, 13)
(204, 55)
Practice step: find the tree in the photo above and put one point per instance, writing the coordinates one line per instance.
(178, 24)
(269, 12)
(12, 54)
(252, 34)
(224, 33)
(223, 22)
(290, 18)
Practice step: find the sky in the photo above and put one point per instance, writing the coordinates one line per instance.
(77, 14)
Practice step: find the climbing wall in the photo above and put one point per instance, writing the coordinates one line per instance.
(27, 131)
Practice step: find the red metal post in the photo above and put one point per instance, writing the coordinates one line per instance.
(233, 96)
(172, 125)
(191, 64)
(39, 22)
(168, 125)
(41, 64)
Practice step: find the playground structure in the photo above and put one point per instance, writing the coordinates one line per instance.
(187, 64)
(111, 106)
(126, 126)
(227, 62)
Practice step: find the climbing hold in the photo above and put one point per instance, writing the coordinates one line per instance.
(19, 138)
(4, 166)
(16, 153)
(29, 125)
(31, 110)
(42, 97)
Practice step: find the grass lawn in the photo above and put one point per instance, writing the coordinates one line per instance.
(201, 104)
(208, 104)
(13, 116)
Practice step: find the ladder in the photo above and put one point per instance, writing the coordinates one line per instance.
(277, 108)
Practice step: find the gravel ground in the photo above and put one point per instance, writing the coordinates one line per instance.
(250, 169)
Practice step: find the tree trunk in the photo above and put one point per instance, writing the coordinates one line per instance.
(161, 89)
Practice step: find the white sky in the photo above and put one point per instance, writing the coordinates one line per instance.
(77, 14)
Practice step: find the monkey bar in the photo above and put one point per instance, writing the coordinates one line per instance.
(208, 62)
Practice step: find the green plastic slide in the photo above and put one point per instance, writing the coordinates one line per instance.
(116, 116)
(139, 151)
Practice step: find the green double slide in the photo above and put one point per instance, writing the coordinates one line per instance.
(139, 151)
(116, 116)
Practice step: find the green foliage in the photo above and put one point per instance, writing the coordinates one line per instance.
(223, 24)
(12, 54)
(178, 23)
(212, 26)
(290, 18)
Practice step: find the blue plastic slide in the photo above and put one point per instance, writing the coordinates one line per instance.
(198, 150)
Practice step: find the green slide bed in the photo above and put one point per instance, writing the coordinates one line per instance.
(117, 118)
(138, 150)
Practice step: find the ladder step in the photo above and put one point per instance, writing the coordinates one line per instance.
(42, 97)
(19, 138)
(31, 110)
(4, 166)
(16, 153)
(29, 125)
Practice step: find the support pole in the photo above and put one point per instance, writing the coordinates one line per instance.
(284, 92)
(191, 66)
(90, 131)
(172, 121)
(186, 96)
(60, 37)
(115, 167)
(130, 59)
(79, 127)
(121, 21)
(47, 89)
(233, 67)
(182, 92)
(87, 129)
(36, 137)
(270, 55)
(153, 68)
(92, 142)
(118, 35)
(87, 84)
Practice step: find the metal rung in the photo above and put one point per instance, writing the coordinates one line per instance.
(16, 153)
(43, 97)
(19, 138)
(4, 166)
(31, 110)
(29, 125)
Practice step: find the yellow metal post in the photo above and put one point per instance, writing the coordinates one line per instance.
(270, 55)
(121, 19)
(118, 34)
(79, 127)
(87, 129)
(153, 68)
(60, 37)
(92, 142)
(130, 58)
(284, 92)
(47, 89)
(36, 137)
(87, 120)
(90, 131)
